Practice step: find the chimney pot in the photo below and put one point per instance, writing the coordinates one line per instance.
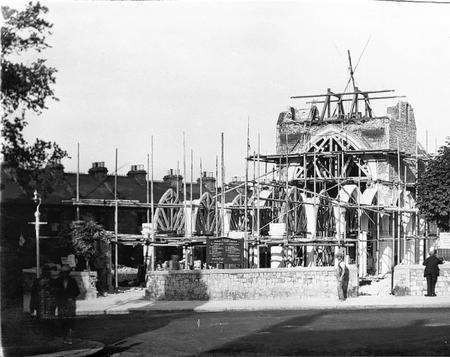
(171, 178)
(98, 170)
(138, 172)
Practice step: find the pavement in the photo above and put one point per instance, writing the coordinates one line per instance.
(58, 347)
(134, 300)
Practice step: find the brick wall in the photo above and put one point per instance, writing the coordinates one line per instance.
(406, 134)
(377, 133)
(409, 280)
(235, 284)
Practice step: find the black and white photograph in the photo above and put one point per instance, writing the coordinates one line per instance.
(225, 178)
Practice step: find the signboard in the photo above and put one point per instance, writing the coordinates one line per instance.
(444, 240)
(69, 260)
(224, 251)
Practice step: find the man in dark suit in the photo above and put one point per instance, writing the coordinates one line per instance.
(432, 271)
(67, 291)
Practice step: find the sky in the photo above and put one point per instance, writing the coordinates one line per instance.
(128, 70)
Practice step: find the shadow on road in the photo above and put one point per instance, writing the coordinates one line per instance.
(324, 332)
(23, 336)
(301, 336)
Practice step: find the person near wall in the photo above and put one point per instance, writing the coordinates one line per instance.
(431, 271)
(174, 263)
(342, 275)
(101, 263)
(66, 292)
(43, 301)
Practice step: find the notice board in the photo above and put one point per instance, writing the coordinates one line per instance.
(224, 251)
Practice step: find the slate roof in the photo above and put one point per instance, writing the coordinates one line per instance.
(128, 188)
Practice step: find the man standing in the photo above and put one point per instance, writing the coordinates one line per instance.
(342, 275)
(66, 292)
(43, 296)
(432, 271)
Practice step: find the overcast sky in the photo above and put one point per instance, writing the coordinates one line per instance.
(129, 70)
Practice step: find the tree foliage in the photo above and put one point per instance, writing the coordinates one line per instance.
(434, 189)
(26, 86)
(87, 239)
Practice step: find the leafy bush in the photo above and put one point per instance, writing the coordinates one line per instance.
(434, 189)
(88, 240)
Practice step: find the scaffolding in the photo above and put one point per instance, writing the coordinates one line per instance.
(324, 196)
(300, 179)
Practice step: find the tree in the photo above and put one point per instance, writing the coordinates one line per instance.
(434, 189)
(88, 239)
(26, 87)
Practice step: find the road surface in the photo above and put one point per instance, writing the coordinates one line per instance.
(324, 332)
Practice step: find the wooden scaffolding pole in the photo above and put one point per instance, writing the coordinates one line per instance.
(304, 171)
(258, 190)
(417, 214)
(152, 207)
(178, 178)
(399, 214)
(314, 176)
(408, 215)
(247, 148)
(147, 188)
(116, 227)
(184, 186)
(286, 194)
(222, 154)
(393, 253)
(339, 173)
(359, 216)
(378, 230)
(342, 177)
(78, 181)
(201, 178)
(190, 195)
(216, 188)
(254, 195)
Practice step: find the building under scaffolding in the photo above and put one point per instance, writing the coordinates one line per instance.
(340, 178)
(350, 178)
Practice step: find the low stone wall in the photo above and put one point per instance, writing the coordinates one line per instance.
(409, 280)
(235, 284)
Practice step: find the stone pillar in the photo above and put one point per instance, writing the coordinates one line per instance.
(226, 225)
(362, 246)
(362, 254)
(341, 224)
(148, 252)
(188, 216)
(385, 250)
(409, 245)
(423, 246)
(385, 256)
(254, 256)
(311, 226)
(276, 252)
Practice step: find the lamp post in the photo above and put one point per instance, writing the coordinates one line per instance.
(37, 199)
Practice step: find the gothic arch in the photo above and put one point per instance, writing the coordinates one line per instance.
(335, 140)
(334, 131)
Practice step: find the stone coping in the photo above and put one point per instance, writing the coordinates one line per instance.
(246, 271)
(446, 265)
(72, 273)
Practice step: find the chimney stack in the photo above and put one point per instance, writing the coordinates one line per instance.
(138, 173)
(98, 170)
(208, 181)
(172, 178)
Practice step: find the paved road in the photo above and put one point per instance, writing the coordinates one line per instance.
(381, 332)
(274, 333)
